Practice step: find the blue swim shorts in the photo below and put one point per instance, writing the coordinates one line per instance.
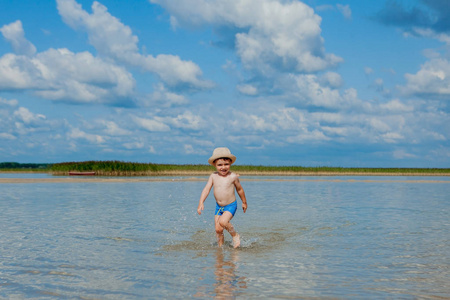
(232, 207)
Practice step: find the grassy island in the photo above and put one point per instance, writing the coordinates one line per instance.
(119, 168)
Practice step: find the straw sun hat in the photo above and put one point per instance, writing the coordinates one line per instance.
(221, 153)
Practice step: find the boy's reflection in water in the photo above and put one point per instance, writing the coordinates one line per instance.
(227, 283)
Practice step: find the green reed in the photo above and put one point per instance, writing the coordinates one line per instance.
(111, 168)
(124, 168)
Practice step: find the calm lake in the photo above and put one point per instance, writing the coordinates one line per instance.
(302, 237)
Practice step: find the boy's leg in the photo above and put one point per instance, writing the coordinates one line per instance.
(219, 231)
(224, 222)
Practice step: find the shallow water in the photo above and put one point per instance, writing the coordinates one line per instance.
(302, 237)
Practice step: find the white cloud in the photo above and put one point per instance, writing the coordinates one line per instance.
(308, 136)
(59, 74)
(134, 145)
(311, 92)
(106, 32)
(392, 137)
(379, 82)
(432, 80)
(112, 129)
(396, 106)
(6, 102)
(335, 131)
(164, 98)
(402, 154)
(7, 136)
(188, 149)
(17, 72)
(247, 89)
(429, 33)
(174, 71)
(345, 10)
(27, 117)
(76, 133)
(301, 101)
(331, 79)
(151, 125)
(251, 122)
(15, 35)
(113, 39)
(187, 120)
(273, 35)
(378, 125)
(25, 125)
(368, 70)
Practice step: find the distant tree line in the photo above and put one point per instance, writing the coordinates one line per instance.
(15, 165)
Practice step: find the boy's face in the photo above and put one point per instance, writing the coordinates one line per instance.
(223, 166)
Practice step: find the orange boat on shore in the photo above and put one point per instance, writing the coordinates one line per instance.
(76, 173)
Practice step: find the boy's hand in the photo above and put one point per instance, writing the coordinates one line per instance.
(244, 206)
(199, 209)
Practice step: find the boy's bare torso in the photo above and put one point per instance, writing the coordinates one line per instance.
(224, 188)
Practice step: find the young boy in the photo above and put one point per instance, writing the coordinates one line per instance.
(224, 182)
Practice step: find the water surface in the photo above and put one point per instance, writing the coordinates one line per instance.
(302, 237)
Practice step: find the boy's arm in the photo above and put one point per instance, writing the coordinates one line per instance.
(241, 193)
(204, 195)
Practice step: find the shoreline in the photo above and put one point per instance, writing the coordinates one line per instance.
(242, 173)
(193, 177)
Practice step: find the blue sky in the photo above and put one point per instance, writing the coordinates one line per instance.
(313, 83)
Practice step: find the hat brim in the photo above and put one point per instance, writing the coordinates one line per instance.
(214, 157)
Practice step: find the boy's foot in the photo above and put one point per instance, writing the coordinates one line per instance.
(236, 241)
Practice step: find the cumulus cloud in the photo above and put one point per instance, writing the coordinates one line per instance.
(134, 145)
(331, 79)
(282, 54)
(307, 137)
(186, 120)
(15, 35)
(76, 133)
(431, 20)
(247, 89)
(152, 125)
(22, 126)
(28, 117)
(431, 81)
(312, 92)
(59, 74)
(396, 106)
(252, 122)
(163, 97)
(112, 129)
(6, 102)
(115, 40)
(268, 35)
